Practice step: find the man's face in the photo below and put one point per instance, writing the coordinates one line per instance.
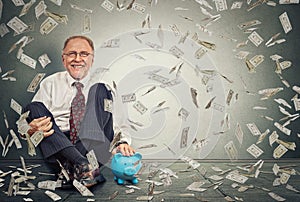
(78, 58)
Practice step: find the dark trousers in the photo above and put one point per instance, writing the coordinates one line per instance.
(96, 129)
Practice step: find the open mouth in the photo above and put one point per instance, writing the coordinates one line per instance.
(77, 66)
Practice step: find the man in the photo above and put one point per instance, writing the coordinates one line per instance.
(73, 113)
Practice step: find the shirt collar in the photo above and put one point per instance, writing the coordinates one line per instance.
(70, 80)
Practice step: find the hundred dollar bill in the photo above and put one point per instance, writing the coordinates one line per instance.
(231, 151)
(288, 145)
(140, 107)
(236, 177)
(18, 2)
(128, 98)
(273, 137)
(57, 17)
(170, 83)
(158, 78)
(175, 30)
(184, 137)
(91, 156)
(84, 191)
(16, 139)
(107, 5)
(288, 1)
(17, 25)
(87, 23)
(255, 38)
(229, 97)
(177, 52)
(26, 8)
(253, 129)
(239, 133)
(35, 82)
(53, 195)
(57, 2)
(218, 107)
(37, 137)
(285, 64)
(27, 60)
(255, 151)
(248, 24)
(221, 5)
(200, 53)
(138, 8)
(262, 136)
(108, 105)
(40, 9)
(47, 26)
(194, 96)
(44, 60)
(196, 186)
(279, 151)
(285, 22)
(269, 92)
(15, 106)
(31, 148)
(236, 5)
(47, 184)
(86, 10)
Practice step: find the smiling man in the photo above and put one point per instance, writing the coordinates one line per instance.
(69, 107)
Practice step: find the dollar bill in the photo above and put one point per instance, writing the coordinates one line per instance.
(86, 10)
(31, 148)
(57, 2)
(239, 133)
(257, 60)
(40, 9)
(218, 107)
(279, 151)
(87, 23)
(108, 105)
(153, 45)
(138, 8)
(288, 1)
(35, 82)
(177, 52)
(170, 83)
(184, 137)
(183, 114)
(144, 198)
(196, 186)
(140, 107)
(128, 98)
(194, 96)
(221, 5)
(47, 26)
(3, 30)
(283, 129)
(17, 25)
(285, 22)
(15, 106)
(18, 2)
(248, 24)
(57, 17)
(15, 138)
(52, 195)
(231, 151)
(47, 184)
(276, 196)
(44, 60)
(236, 5)
(27, 60)
(37, 137)
(91, 156)
(200, 53)
(112, 43)
(26, 8)
(253, 129)
(107, 5)
(236, 177)
(158, 78)
(229, 97)
(255, 38)
(84, 191)
(273, 137)
(175, 30)
(254, 150)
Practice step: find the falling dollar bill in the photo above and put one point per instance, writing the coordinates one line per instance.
(254, 150)
(184, 137)
(177, 52)
(175, 29)
(47, 184)
(255, 38)
(112, 43)
(239, 133)
(138, 8)
(84, 191)
(87, 23)
(183, 114)
(31, 148)
(17, 25)
(52, 195)
(57, 2)
(3, 30)
(86, 10)
(27, 60)
(196, 186)
(248, 24)
(231, 151)
(221, 5)
(279, 151)
(35, 82)
(26, 8)
(47, 26)
(140, 107)
(108, 105)
(283, 129)
(194, 96)
(44, 60)
(128, 98)
(16, 139)
(253, 129)
(18, 2)
(256, 60)
(57, 17)
(91, 156)
(236, 177)
(107, 5)
(285, 22)
(16, 106)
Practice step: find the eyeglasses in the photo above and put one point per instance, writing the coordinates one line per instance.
(73, 54)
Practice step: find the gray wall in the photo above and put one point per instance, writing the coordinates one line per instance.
(203, 123)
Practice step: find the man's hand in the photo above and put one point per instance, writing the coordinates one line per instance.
(125, 149)
(41, 124)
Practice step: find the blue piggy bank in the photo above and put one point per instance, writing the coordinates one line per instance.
(124, 168)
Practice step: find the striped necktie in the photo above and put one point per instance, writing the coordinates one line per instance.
(77, 111)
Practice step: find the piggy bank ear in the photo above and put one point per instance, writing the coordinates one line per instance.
(138, 155)
(117, 156)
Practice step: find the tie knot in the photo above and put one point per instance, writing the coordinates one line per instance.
(78, 85)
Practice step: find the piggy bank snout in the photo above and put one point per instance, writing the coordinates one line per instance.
(129, 171)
